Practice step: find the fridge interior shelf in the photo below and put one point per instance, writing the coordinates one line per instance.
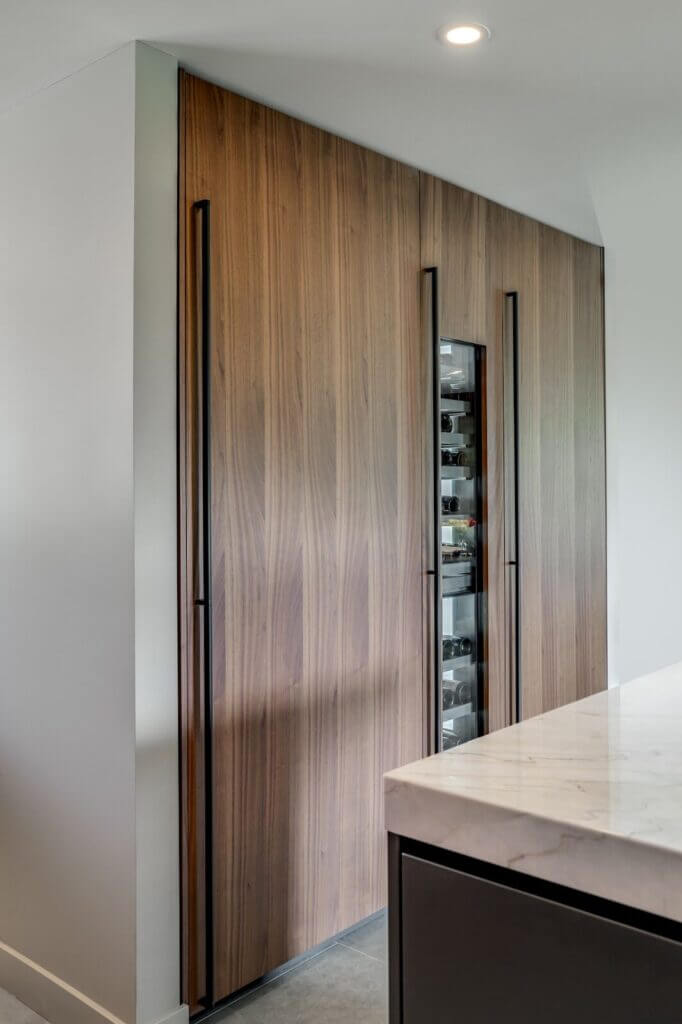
(458, 534)
(452, 570)
(454, 439)
(450, 714)
(454, 406)
(457, 579)
(454, 663)
(456, 473)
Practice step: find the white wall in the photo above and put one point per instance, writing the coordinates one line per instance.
(156, 614)
(87, 544)
(639, 205)
(67, 789)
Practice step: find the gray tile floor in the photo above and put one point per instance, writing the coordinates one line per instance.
(14, 1012)
(345, 984)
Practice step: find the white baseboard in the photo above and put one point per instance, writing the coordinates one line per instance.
(56, 1000)
(50, 996)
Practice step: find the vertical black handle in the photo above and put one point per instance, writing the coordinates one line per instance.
(432, 272)
(202, 213)
(511, 500)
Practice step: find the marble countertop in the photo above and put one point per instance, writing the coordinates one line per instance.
(589, 796)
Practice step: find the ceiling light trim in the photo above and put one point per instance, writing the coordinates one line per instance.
(466, 30)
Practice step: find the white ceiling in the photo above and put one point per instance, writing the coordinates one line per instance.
(522, 118)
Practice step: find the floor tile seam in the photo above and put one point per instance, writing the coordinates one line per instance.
(362, 952)
(282, 974)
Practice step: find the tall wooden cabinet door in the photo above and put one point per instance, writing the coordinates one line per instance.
(316, 436)
(561, 461)
(457, 240)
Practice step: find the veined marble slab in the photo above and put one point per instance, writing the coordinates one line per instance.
(589, 796)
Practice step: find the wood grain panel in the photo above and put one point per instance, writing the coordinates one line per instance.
(458, 238)
(482, 251)
(562, 541)
(590, 468)
(518, 241)
(317, 433)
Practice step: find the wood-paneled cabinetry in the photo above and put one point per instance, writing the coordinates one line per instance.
(316, 433)
(561, 478)
(308, 297)
(483, 253)
(458, 239)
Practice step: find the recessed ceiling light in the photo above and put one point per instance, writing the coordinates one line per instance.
(465, 35)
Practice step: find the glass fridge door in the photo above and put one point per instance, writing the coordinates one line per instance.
(459, 660)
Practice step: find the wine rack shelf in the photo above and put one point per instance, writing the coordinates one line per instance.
(452, 714)
(452, 664)
(457, 436)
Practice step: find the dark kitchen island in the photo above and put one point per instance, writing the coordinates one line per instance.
(535, 874)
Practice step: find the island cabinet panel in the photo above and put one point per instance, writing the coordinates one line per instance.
(532, 298)
(466, 947)
(316, 518)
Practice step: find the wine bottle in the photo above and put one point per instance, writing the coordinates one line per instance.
(450, 503)
(450, 741)
(455, 693)
(455, 552)
(462, 457)
(465, 457)
(456, 647)
(466, 425)
(455, 392)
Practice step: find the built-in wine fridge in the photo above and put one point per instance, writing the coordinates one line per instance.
(460, 712)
